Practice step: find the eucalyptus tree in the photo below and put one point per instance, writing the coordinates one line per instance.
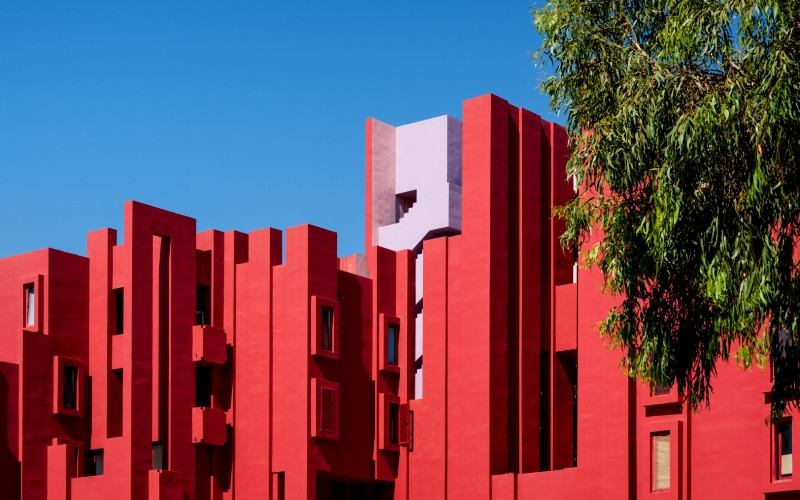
(683, 118)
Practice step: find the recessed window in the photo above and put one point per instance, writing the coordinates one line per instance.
(660, 389)
(392, 342)
(158, 456)
(69, 393)
(119, 310)
(394, 418)
(660, 461)
(783, 446)
(203, 309)
(324, 327)
(30, 305)
(328, 416)
(326, 338)
(202, 387)
(96, 462)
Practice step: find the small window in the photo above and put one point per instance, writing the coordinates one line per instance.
(203, 309)
(326, 339)
(660, 389)
(394, 418)
(660, 460)
(783, 446)
(324, 409)
(96, 464)
(30, 305)
(69, 392)
(158, 456)
(119, 310)
(203, 387)
(392, 343)
(328, 417)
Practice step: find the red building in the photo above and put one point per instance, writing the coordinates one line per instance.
(464, 363)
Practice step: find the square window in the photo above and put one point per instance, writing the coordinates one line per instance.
(324, 327)
(660, 454)
(783, 448)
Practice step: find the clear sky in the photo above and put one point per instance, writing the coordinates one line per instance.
(242, 115)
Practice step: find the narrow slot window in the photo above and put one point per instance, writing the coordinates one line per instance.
(119, 310)
(328, 416)
(659, 390)
(69, 396)
(203, 309)
(203, 387)
(660, 460)
(392, 343)
(394, 418)
(30, 305)
(784, 449)
(326, 342)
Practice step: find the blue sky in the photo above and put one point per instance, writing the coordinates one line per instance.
(242, 115)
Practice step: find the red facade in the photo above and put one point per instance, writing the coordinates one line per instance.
(206, 365)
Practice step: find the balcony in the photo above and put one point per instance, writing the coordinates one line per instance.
(209, 345)
(208, 426)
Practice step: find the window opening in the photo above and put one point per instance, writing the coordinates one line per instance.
(660, 460)
(394, 410)
(119, 310)
(327, 423)
(392, 344)
(30, 305)
(203, 387)
(158, 456)
(96, 463)
(70, 387)
(784, 448)
(203, 309)
(326, 343)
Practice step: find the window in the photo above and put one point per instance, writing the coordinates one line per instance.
(30, 305)
(202, 387)
(328, 417)
(324, 327)
(392, 343)
(389, 343)
(158, 456)
(660, 451)
(783, 448)
(119, 310)
(324, 409)
(394, 417)
(69, 391)
(203, 309)
(389, 422)
(326, 337)
(96, 464)
(660, 389)
(67, 387)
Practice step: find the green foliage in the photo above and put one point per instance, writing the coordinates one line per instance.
(683, 118)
